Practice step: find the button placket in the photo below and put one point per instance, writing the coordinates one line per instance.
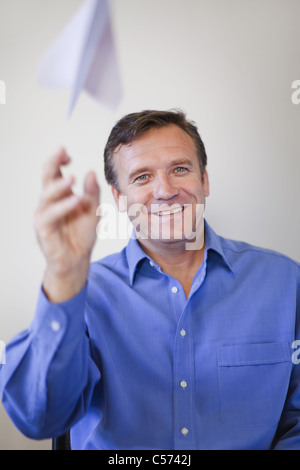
(184, 436)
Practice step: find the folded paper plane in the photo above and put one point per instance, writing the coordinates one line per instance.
(84, 57)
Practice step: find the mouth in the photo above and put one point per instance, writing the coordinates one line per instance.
(168, 211)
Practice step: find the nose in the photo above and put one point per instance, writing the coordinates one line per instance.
(164, 188)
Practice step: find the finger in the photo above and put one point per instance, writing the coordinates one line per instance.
(91, 188)
(52, 166)
(58, 211)
(56, 190)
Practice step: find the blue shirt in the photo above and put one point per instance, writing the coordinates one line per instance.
(130, 363)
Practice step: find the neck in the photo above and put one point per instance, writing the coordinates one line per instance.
(175, 260)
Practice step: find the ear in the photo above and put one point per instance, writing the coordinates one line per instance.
(205, 183)
(120, 199)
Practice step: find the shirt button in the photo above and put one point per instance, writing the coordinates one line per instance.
(184, 431)
(182, 333)
(151, 263)
(174, 290)
(55, 326)
(183, 384)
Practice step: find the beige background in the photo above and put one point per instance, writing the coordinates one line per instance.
(229, 64)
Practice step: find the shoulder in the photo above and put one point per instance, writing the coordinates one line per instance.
(110, 262)
(239, 253)
(109, 267)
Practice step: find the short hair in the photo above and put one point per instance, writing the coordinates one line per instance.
(134, 125)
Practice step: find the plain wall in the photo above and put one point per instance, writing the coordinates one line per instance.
(229, 64)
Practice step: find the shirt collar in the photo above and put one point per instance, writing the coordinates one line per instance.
(135, 253)
(215, 243)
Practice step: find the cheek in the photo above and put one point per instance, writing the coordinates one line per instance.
(139, 195)
(193, 188)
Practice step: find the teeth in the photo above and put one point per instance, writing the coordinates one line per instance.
(174, 211)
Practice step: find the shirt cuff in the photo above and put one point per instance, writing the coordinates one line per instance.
(65, 319)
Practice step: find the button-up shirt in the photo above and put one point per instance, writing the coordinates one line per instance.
(131, 363)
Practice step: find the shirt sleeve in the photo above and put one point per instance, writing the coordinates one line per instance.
(48, 379)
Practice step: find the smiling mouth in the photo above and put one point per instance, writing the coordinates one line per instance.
(168, 212)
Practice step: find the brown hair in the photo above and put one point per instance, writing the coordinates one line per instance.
(133, 125)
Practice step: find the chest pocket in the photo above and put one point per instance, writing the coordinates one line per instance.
(253, 382)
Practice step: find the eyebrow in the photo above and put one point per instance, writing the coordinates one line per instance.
(145, 169)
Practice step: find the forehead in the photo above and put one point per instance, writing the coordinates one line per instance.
(163, 142)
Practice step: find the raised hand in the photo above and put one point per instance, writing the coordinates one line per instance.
(65, 225)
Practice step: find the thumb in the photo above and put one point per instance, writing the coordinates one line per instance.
(91, 187)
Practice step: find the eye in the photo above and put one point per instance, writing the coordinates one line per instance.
(180, 169)
(141, 178)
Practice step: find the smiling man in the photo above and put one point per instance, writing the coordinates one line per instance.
(162, 176)
(183, 340)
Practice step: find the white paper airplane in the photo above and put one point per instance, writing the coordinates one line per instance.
(84, 57)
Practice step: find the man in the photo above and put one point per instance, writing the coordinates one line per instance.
(164, 345)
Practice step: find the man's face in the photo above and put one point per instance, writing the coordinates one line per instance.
(160, 181)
